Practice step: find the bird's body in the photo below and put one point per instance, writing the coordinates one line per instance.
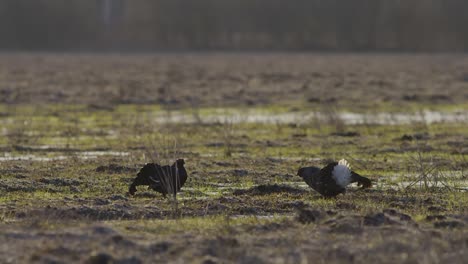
(332, 179)
(163, 179)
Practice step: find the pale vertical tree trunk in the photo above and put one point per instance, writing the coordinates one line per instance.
(107, 12)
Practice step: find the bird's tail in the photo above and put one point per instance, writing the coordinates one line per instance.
(344, 163)
(361, 181)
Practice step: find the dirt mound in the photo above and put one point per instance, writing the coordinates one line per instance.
(60, 181)
(353, 224)
(447, 221)
(388, 217)
(449, 224)
(306, 216)
(101, 212)
(416, 136)
(346, 134)
(344, 224)
(18, 185)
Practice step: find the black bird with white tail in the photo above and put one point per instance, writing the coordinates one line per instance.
(163, 179)
(332, 179)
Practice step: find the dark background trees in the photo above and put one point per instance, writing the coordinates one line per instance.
(342, 25)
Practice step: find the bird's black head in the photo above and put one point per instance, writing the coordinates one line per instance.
(300, 172)
(180, 162)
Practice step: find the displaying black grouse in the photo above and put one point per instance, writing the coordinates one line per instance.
(332, 179)
(164, 179)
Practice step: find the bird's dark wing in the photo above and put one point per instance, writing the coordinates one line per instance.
(160, 178)
(328, 186)
(321, 180)
(148, 175)
(173, 177)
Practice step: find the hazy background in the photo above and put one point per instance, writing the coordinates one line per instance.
(145, 25)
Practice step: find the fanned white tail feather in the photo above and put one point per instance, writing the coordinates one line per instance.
(344, 162)
(342, 173)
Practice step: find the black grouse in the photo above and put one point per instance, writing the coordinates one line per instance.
(164, 179)
(332, 179)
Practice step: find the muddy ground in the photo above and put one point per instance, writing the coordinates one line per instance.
(233, 79)
(75, 129)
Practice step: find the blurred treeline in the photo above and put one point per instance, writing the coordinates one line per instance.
(385, 25)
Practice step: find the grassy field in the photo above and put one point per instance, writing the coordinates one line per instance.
(77, 128)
